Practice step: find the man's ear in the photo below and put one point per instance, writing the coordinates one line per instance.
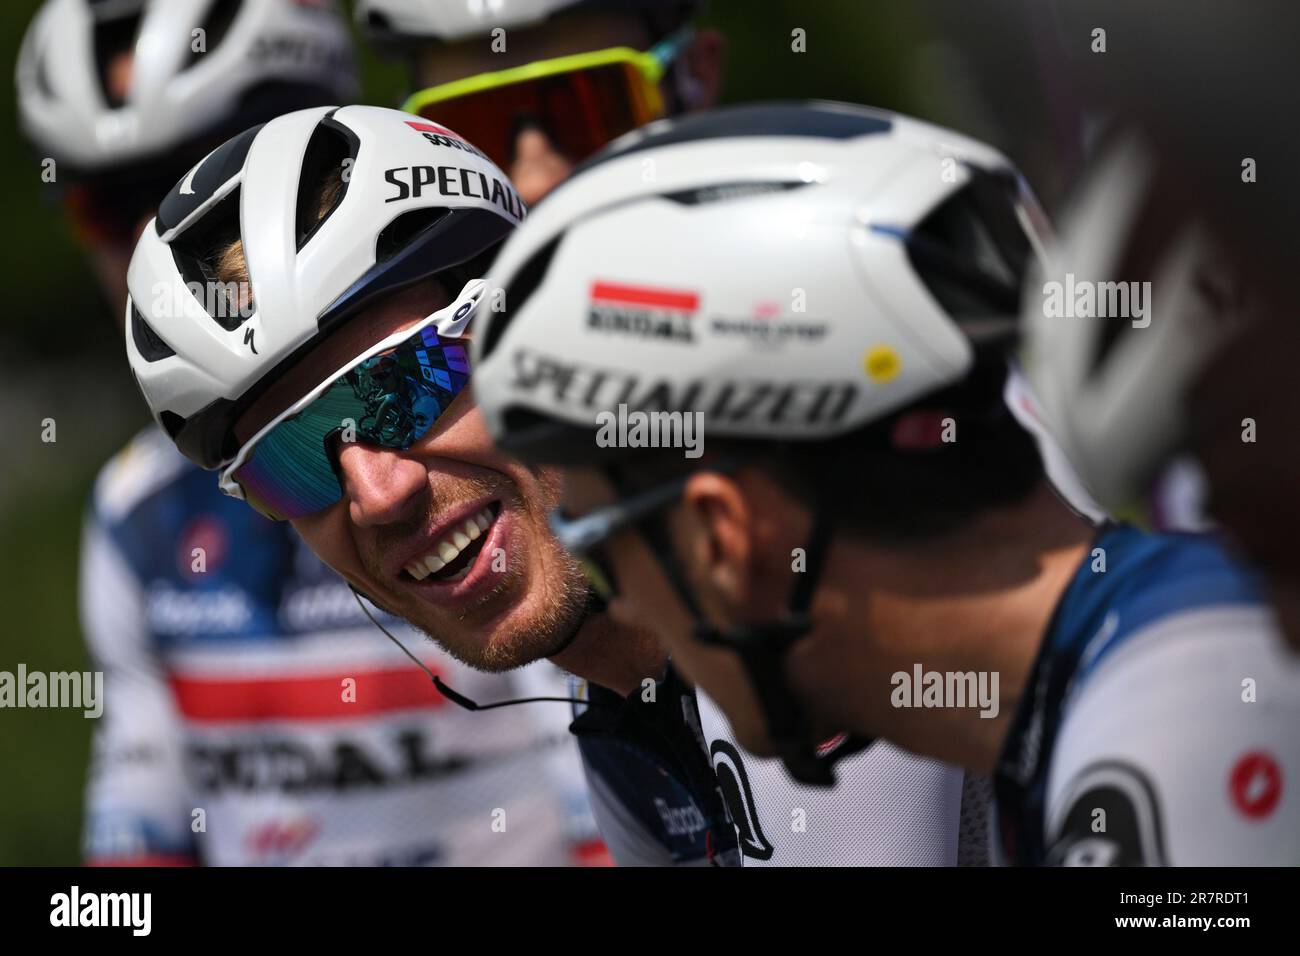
(705, 60)
(718, 539)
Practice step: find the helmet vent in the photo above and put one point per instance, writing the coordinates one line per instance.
(323, 182)
(148, 342)
(971, 252)
(215, 26)
(114, 37)
(171, 423)
(399, 233)
(708, 194)
(198, 253)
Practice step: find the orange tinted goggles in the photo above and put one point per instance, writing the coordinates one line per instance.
(581, 102)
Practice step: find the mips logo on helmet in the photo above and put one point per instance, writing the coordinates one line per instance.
(767, 328)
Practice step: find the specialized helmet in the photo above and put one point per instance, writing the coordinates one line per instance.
(795, 273)
(414, 200)
(1114, 387)
(252, 60)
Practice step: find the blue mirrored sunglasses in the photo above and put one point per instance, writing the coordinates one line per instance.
(390, 396)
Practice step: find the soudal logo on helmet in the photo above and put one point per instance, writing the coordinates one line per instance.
(442, 136)
(662, 314)
(412, 181)
(722, 402)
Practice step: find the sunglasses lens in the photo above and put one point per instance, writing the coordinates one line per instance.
(289, 473)
(391, 399)
(580, 111)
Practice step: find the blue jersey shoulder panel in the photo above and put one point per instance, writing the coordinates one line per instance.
(1146, 578)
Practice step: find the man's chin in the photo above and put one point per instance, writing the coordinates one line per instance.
(503, 638)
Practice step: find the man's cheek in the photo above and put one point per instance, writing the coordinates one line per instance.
(324, 534)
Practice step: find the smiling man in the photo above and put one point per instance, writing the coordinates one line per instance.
(331, 393)
(338, 402)
(452, 538)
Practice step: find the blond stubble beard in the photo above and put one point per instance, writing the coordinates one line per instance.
(553, 625)
(546, 633)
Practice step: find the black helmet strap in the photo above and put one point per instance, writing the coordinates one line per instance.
(762, 648)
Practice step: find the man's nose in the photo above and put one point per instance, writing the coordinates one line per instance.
(537, 167)
(383, 486)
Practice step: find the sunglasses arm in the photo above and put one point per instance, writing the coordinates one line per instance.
(450, 321)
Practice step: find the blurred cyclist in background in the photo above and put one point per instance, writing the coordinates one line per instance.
(1193, 195)
(252, 716)
(540, 85)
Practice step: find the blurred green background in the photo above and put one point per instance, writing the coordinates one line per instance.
(60, 357)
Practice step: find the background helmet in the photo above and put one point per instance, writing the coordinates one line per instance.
(1113, 388)
(396, 21)
(793, 271)
(258, 59)
(415, 201)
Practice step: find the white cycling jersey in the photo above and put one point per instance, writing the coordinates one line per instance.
(888, 807)
(1159, 725)
(670, 786)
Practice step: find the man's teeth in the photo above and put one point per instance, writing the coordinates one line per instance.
(452, 544)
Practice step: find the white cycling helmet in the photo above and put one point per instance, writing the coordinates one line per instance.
(253, 60)
(416, 201)
(793, 271)
(1113, 388)
(452, 20)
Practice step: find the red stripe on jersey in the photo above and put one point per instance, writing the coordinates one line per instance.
(634, 295)
(593, 852)
(304, 698)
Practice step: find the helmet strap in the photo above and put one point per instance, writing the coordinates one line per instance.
(762, 649)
